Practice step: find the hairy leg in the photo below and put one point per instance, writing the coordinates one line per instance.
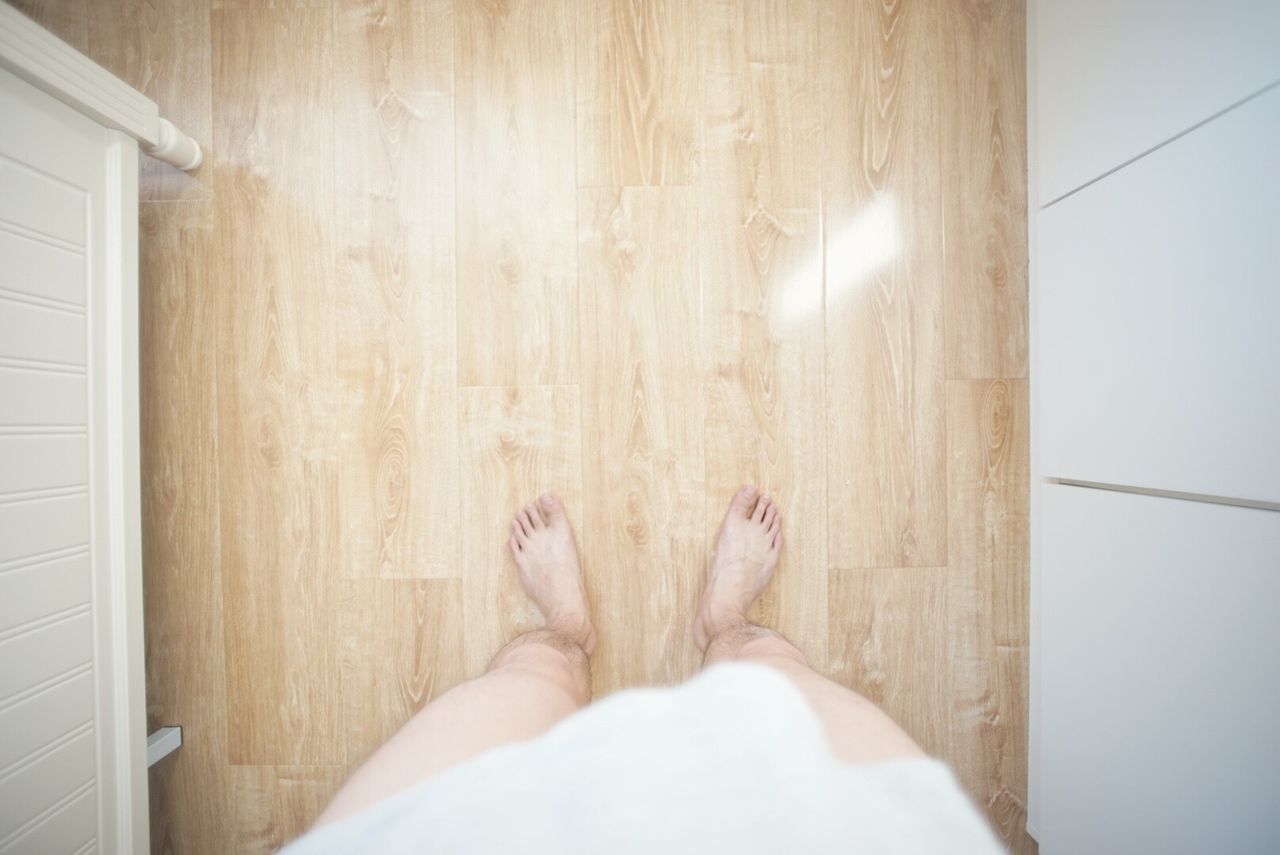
(746, 554)
(533, 682)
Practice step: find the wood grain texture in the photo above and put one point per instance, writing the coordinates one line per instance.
(889, 642)
(277, 387)
(988, 596)
(644, 533)
(186, 683)
(984, 167)
(761, 274)
(516, 443)
(636, 101)
(275, 804)
(886, 440)
(364, 326)
(393, 177)
(165, 47)
(401, 640)
(517, 282)
(66, 19)
(269, 4)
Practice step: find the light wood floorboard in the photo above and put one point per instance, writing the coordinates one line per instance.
(444, 255)
(274, 804)
(984, 172)
(988, 595)
(516, 442)
(185, 654)
(517, 278)
(889, 640)
(636, 98)
(394, 213)
(761, 271)
(277, 385)
(387, 676)
(644, 535)
(882, 208)
(66, 19)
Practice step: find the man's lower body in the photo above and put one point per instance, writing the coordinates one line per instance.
(543, 676)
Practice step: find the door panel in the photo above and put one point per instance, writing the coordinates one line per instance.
(1158, 305)
(1115, 79)
(1158, 654)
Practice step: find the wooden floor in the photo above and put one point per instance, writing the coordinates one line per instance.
(445, 254)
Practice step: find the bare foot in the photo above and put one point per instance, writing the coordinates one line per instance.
(542, 543)
(746, 553)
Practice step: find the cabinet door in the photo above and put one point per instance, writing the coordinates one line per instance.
(1115, 79)
(72, 738)
(1157, 661)
(1158, 315)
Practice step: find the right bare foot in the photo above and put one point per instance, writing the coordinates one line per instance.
(542, 543)
(745, 554)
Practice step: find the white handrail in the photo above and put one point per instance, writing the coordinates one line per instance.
(175, 148)
(52, 65)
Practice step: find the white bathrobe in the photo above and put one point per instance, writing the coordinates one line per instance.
(733, 761)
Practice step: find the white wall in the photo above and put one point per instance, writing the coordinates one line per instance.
(1154, 129)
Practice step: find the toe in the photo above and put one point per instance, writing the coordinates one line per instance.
(514, 544)
(531, 511)
(762, 508)
(743, 500)
(517, 531)
(526, 524)
(770, 515)
(777, 541)
(552, 507)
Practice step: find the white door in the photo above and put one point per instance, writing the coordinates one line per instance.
(72, 728)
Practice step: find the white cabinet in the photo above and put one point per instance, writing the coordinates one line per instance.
(73, 744)
(1158, 294)
(1155, 430)
(1112, 79)
(72, 726)
(1158, 656)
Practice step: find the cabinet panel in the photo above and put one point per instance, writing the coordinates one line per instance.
(46, 205)
(1159, 301)
(29, 659)
(31, 527)
(39, 269)
(40, 720)
(41, 333)
(69, 452)
(43, 462)
(35, 398)
(39, 590)
(1157, 656)
(1115, 79)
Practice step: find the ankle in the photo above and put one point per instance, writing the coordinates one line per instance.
(719, 620)
(741, 640)
(574, 630)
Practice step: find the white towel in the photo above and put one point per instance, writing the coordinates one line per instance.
(733, 761)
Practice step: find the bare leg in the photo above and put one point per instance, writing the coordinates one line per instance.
(534, 682)
(746, 554)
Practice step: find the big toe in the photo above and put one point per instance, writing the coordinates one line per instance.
(551, 506)
(744, 500)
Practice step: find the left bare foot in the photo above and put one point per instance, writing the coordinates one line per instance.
(542, 543)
